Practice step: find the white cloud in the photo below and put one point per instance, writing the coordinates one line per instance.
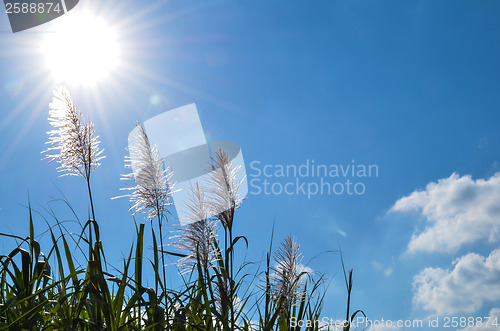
(473, 281)
(457, 210)
(302, 270)
(486, 325)
(384, 328)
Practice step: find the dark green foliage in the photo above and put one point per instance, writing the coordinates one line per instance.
(53, 292)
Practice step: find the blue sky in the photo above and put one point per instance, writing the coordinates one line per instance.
(409, 86)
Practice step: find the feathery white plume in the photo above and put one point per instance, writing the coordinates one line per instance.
(73, 140)
(196, 238)
(152, 191)
(286, 281)
(223, 187)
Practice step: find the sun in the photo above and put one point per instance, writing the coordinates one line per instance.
(81, 49)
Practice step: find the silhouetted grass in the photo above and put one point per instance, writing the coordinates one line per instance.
(56, 292)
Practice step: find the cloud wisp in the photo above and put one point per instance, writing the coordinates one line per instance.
(472, 282)
(457, 210)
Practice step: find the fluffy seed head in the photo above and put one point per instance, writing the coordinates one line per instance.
(152, 191)
(286, 281)
(197, 236)
(223, 187)
(74, 143)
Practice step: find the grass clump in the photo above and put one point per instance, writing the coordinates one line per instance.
(56, 292)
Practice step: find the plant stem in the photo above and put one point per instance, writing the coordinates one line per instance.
(90, 197)
(93, 217)
(231, 281)
(162, 255)
(349, 289)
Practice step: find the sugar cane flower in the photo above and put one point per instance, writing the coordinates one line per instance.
(286, 280)
(196, 237)
(74, 143)
(152, 191)
(223, 186)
